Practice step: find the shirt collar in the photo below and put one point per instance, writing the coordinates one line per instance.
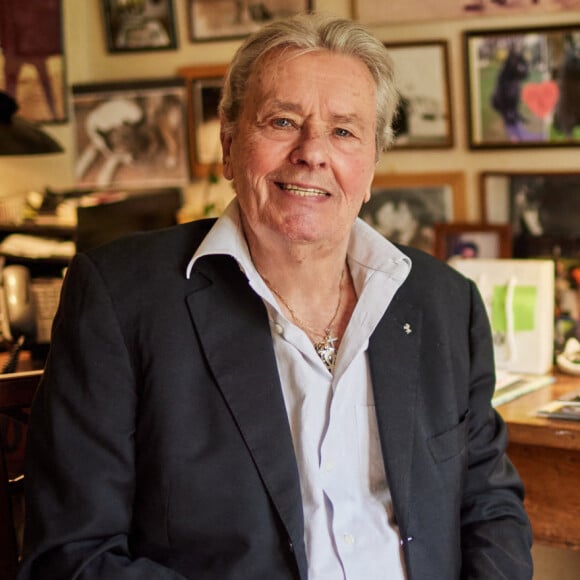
(372, 251)
(226, 237)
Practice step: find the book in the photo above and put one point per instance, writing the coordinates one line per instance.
(510, 386)
(569, 410)
(573, 396)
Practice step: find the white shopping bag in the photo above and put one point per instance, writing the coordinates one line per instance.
(519, 297)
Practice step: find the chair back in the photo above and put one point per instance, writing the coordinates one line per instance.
(16, 393)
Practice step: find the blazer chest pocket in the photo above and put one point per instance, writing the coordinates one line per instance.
(450, 443)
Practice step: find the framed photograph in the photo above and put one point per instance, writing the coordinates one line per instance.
(226, 19)
(542, 209)
(204, 88)
(424, 116)
(406, 207)
(131, 134)
(373, 12)
(139, 25)
(469, 240)
(522, 87)
(32, 66)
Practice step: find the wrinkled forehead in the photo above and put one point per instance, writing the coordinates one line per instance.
(270, 65)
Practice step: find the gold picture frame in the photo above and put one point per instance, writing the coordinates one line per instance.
(204, 84)
(404, 207)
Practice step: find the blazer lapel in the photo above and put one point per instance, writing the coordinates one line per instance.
(394, 361)
(233, 328)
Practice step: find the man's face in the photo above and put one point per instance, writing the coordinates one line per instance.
(302, 156)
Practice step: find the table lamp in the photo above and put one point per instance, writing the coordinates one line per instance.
(19, 136)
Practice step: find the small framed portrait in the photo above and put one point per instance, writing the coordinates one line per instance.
(131, 134)
(204, 88)
(470, 240)
(522, 87)
(406, 207)
(139, 25)
(424, 118)
(542, 209)
(223, 19)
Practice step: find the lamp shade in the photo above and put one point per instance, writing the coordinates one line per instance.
(19, 136)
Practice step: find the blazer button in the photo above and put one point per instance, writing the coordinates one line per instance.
(291, 546)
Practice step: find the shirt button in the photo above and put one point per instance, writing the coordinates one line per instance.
(348, 539)
(329, 466)
(278, 328)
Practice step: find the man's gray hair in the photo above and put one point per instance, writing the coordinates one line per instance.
(308, 33)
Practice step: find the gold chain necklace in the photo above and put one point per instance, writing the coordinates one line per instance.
(325, 348)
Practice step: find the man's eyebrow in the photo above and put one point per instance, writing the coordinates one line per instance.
(349, 119)
(288, 106)
(278, 105)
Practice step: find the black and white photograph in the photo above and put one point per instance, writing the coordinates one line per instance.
(543, 210)
(139, 25)
(207, 93)
(219, 19)
(131, 134)
(424, 116)
(405, 208)
(204, 86)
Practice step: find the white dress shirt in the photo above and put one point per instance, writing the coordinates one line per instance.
(350, 532)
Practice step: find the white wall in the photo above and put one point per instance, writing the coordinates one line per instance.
(88, 61)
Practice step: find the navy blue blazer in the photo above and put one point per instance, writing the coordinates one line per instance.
(159, 445)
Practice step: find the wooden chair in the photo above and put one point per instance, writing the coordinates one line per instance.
(16, 393)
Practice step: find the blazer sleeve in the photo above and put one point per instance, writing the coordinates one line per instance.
(496, 533)
(80, 472)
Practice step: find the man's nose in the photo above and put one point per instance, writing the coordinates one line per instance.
(311, 148)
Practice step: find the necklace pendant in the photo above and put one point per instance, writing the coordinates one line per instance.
(326, 350)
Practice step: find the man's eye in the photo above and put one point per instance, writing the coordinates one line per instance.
(282, 122)
(343, 132)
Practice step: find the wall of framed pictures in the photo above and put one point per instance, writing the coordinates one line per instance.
(438, 138)
(453, 28)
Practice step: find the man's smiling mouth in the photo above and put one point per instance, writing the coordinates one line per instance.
(302, 191)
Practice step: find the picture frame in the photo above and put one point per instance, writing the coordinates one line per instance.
(397, 11)
(521, 87)
(131, 134)
(424, 117)
(405, 207)
(542, 209)
(144, 25)
(211, 20)
(472, 240)
(204, 85)
(32, 64)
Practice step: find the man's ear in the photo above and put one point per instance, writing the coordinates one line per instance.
(226, 141)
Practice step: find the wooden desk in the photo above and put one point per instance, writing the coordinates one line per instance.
(546, 452)
(26, 362)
